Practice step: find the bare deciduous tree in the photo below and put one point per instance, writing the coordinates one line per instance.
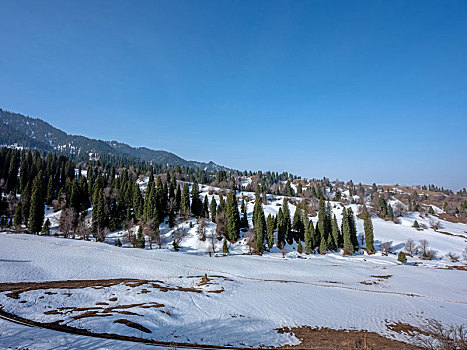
(411, 246)
(435, 335)
(423, 246)
(68, 221)
(386, 247)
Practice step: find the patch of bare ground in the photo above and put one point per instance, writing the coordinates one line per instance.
(332, 339)
(454, 267)
(451, 234)
(453, 218)
(385, 277)
(405, 328)
(16, 289)
(133, 325)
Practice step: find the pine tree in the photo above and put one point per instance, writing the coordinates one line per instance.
(390, 212)
(36, 214)
(244, 223)
(280, 228)
(206, 207)
(416, 224)
(196, 205)
(368, 227)
(270, 222)
(233, 217)
(50, 190)
(309, 237)
(348, 246)
(18, 219)
(353, 227)
(259, 231)
(26, 202)
(46, 227)
(185, 201)
(213, 209)
(323, 247)
(225, 249)
(299, 247)
(335, 232)
(287, 221)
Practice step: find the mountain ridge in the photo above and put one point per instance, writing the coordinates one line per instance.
(36, 133)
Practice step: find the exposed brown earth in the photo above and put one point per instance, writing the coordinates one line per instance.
(333, 339)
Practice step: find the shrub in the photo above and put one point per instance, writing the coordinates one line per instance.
(401, 257)
(415, 224)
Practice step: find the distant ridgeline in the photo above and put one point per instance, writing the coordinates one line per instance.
(20, 131)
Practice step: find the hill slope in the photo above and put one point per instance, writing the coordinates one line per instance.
(36, 133)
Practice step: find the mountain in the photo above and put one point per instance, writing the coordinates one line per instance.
(20, 130)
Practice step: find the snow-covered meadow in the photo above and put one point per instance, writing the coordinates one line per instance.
(245, 298)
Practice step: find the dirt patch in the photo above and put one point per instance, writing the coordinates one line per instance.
(113, 299)
(454, 267)
(385, 277)
(90, 314)
(405, 328)
(327, 339)
(16, 289)
(133, 325)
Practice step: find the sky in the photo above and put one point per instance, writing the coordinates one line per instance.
(373, 91)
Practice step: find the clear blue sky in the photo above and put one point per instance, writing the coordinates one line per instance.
(362, 90)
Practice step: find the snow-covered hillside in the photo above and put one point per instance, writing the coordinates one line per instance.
(190, 296)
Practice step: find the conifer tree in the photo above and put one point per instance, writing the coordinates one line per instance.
(299, 247)
(390, 212)
(270, 222)
(178, 197)
(287, 221)
(280, 228)
(225, 249)
(206, 207)
(323, 247)
(46, 227)
(18, 219)
(348, 246)
(368, 227)
(36, 214)
(335, 233)
(50, 190)
(244, 223)
(257, 207)
(259, 231)
(196, 205)
(185, 200)
(308, 237)
(26, 202)
(213, 209)
(233, 217)
(353, 227)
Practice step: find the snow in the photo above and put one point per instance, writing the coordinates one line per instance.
(259, 294)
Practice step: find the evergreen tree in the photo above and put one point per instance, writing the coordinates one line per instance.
(368, 227)
(196, 205)
(185, 201)
(323, 247)
(353, 227)
(46, 227)
(299, 247)
(206, 207)
(270, 222)
(213, 209)
(348, 245)
(309, 237)
(244, 223)
(402, 257)
(390, 212)
(233, 217)
(280, 228)
(140, 240)
(225, 249)
(287, 222)
(50, 190)
(335, 232)
(259, 231)
(36, 214)
(18, 219)
(26, 203)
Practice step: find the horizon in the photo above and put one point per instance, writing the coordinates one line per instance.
(371, 91)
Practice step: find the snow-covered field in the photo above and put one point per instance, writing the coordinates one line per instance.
(244, 299)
